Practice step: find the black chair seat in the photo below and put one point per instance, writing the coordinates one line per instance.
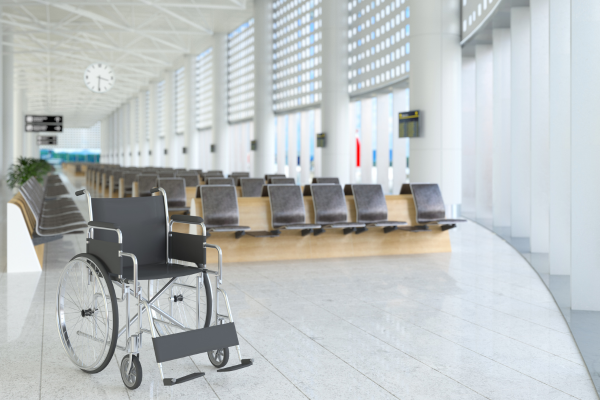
(441, 221)
(386, 223)
(228, 228)
(159, 271)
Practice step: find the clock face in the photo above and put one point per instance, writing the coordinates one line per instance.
(99, 78)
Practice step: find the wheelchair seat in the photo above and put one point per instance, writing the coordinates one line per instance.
(158, 271)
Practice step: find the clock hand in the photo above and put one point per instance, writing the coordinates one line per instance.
(99, 82)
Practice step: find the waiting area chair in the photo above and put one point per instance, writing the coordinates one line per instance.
(191, 179)
(371, 208)
(430, 206)
(331, 211)
(145, 184)
(220, 181)
(282, 181)
(175, 190)
(335, 181)
(252, 187)
(287, 209)
(220, 209)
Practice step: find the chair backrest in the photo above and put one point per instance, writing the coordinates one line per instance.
(190, 179)
(240, 174)
(212, 174)
(370, 203)
(33, 193)
(308, 191)
(128, 179)
(265, 188)
(166, 174)
(220, 181)
(428, 201)
(142, 222)
(330, 204)
(146, 183)
(287, 205)
(175, 189)
(267, 177)
(116, 176)
(282, 181)
(251, 187)
(219, 205)
(335, 181)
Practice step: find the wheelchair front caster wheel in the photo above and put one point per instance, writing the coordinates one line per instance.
(219, 358)
(133, 379)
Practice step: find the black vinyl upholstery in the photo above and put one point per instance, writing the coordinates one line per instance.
(220, 209)
(371, 207)
(251, 187)
(330, 207)
(287, 208)
(430, 204)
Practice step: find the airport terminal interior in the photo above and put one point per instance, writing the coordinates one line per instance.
(299, 199)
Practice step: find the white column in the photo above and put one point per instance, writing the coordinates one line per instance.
(281, 147)
(293, 146)
(401, 102)
(133, 134)
(318, 150)
(540, 126)
(123, 134)
(153, 127)
(169, 120)
(353, 129)
(7, 105)
(304, 149)
(469, 136)
(220, 159)
(189, 110)
(366, 145)
(264, 130)
(435, 72)
(501, 159)
(142, 142)
(484, 70)
(560, 137)
(520, 122)
(335, 99)
(383, 141)
(585, 159)
(18, 125)
(104, 139)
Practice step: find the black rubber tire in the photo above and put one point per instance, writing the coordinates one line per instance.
(135, 373)
(115, 311)
(209, 303)
(223, 362)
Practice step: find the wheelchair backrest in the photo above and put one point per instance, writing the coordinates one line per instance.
(142, 222)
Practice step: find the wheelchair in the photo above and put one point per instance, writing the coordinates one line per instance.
(130, 241)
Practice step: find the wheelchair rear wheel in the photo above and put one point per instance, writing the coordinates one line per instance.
(87, 314)
(179, 301)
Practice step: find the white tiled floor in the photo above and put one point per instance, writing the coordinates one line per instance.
(476, 323)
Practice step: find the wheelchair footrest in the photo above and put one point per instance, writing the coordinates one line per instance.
(179, 345)
(246, 362)
(183, 379)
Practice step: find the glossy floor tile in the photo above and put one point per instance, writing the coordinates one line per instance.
(472, 324)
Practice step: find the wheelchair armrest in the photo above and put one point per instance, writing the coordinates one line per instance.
(105, 225)
(187, 219)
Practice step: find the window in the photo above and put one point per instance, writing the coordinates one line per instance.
(240, 60)
(204, 89)
(378, 44)
(297, 38)
(179, 99)
(160, 108)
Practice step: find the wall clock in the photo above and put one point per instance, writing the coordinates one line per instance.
(99, 77)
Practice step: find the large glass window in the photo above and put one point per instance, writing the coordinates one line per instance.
(204, 89)
(240, 69)
(378, 44)
(297, 36)
(179, 98)
(160, 108)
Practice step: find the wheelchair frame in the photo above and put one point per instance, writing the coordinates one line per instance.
(133, 341)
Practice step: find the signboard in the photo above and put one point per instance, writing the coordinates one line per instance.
(253, 145)
(321, 141)
(47, 140)
(408, 124)
(43, 128)
(213, 148)
(43, 123)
